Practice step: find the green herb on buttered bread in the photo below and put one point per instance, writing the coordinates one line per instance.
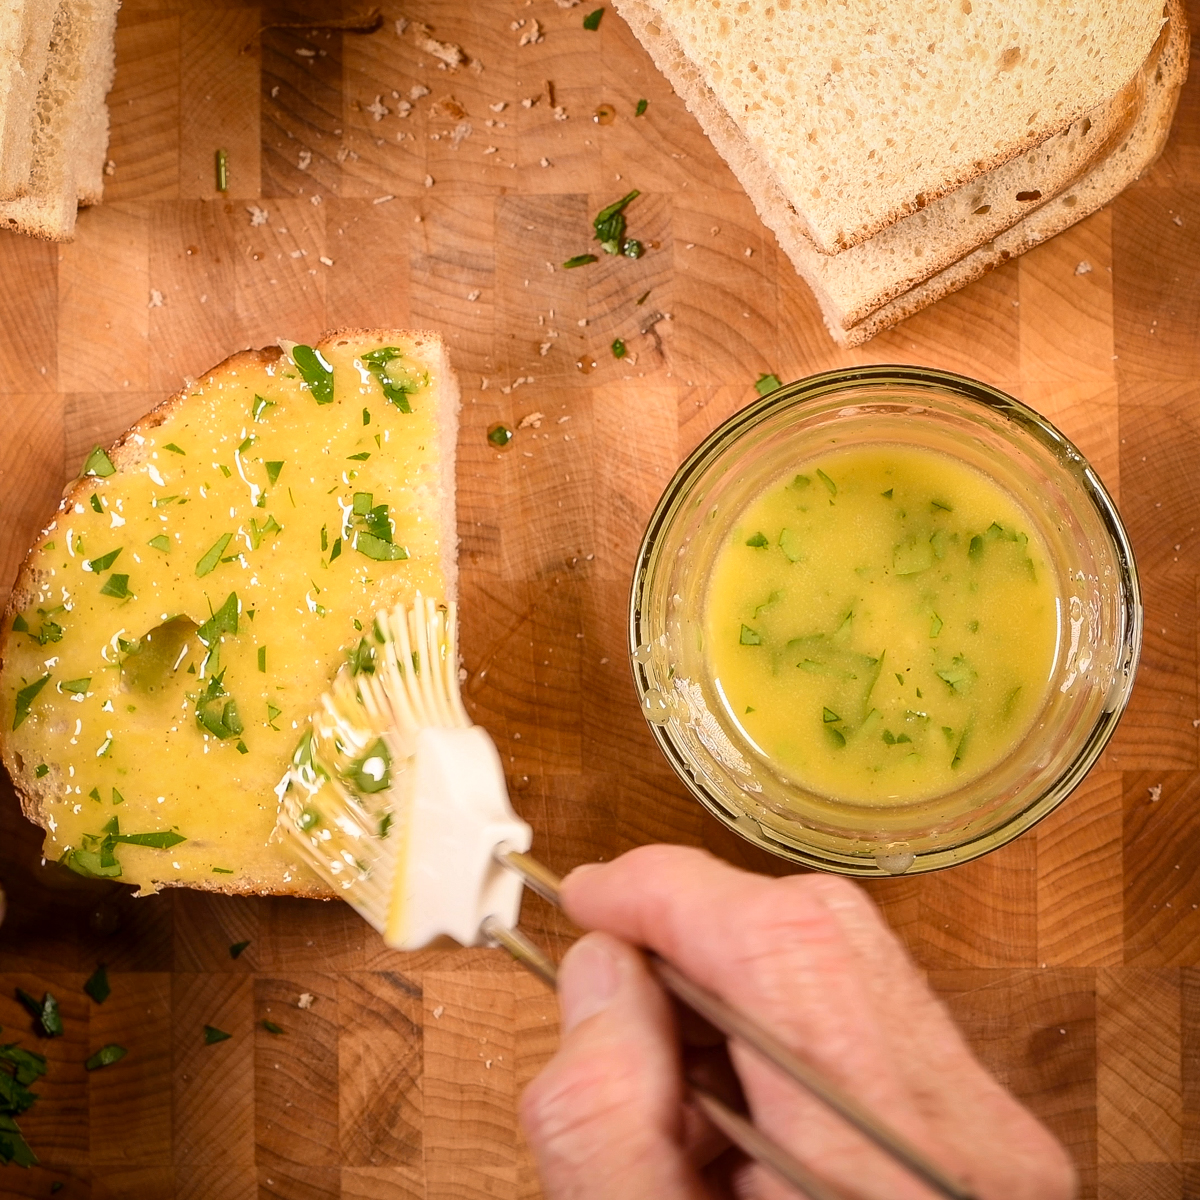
(201, 583)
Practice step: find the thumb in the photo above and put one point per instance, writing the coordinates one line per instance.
(604, 1118)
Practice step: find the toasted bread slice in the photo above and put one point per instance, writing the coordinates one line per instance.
(176, 623)
(70, 135)
(1134, 155)
(860, 114)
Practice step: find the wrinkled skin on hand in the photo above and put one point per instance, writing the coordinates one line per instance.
(809, 957)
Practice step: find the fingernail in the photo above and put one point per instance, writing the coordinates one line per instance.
(587, 981)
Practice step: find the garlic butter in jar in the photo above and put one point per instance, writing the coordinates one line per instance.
(884, 619)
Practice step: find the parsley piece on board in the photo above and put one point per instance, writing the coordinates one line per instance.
(764, 385)
(271, 1027)
(235, 951)
(580, 260)
(212, 1035)
(106, 1056)
(97, 986)
(45, 1013)
(642, 105)
(592, 20)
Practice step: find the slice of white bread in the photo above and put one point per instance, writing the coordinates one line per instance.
(1136, 154)
(173, 628)
(863, 113)
(24, 51)
(66, 154)
(854, 283)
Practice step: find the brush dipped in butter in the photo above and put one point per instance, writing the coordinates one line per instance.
(177, 622)
(395, 799)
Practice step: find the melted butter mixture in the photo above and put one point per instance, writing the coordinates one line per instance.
(191, 609)
(883, 624)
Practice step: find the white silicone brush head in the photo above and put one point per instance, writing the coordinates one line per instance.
(395, 799)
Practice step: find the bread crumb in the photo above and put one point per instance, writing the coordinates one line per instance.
(449, 53)
(581, 322)
(441, 1008)
(1178, 220)
(304, 160)
(532, 34)
(1155, 793)
(377, 108)
(305, 52)
(307, 1000)
(490, 150)
(417, 91)
(429, 181)
(110, 168)
(530, 101)
(533, 419)
(401, 26)
(474, 295)
(1084, 268)
(315, 201)
(545, 162)
(383, 199)
(560, 113)
(748, 252)
(258, 216)
(544, 349)
(156, 299)
(499, 106)
(327, 261)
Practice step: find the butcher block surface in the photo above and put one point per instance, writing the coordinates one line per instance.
(1071, 958)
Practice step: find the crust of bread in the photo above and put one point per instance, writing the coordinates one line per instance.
(1135, 155)
(125, 452)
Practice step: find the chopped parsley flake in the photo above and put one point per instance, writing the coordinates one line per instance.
(104, 561)
(45, 1013)
(500, 436)
(96, 503)
(160, 542)
(271, 1027)
(106, 1056)
(397, 379)
(99, 464)
(41, 771)
(758, 541)
(315, 371)
(642, 105)
(77, 687)
(222, 871)
(273, 469)
(117, 798)
(592, 20)
(208, 563)
(618, 348)
(97, 985)
(766, 384)
(26, 697)
(174, 449)
(580, 260)
(260, 405)
(235, 951)
(609, 225)
(749, 637)
(360, 457)
(118, 586)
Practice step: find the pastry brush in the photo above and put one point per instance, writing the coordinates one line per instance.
(399, 803)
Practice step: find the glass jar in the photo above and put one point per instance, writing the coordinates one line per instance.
(1100, 617)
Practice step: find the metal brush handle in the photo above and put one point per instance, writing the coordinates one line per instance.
(734, 1024)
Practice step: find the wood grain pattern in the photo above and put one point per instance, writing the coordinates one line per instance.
(1071, 958)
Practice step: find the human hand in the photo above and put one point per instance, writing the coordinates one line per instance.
(811, 959)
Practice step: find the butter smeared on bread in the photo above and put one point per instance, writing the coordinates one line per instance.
(174, 626)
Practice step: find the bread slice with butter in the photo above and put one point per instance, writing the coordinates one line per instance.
(176, 623)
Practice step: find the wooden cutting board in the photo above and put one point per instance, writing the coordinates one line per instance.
(1070, 957)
